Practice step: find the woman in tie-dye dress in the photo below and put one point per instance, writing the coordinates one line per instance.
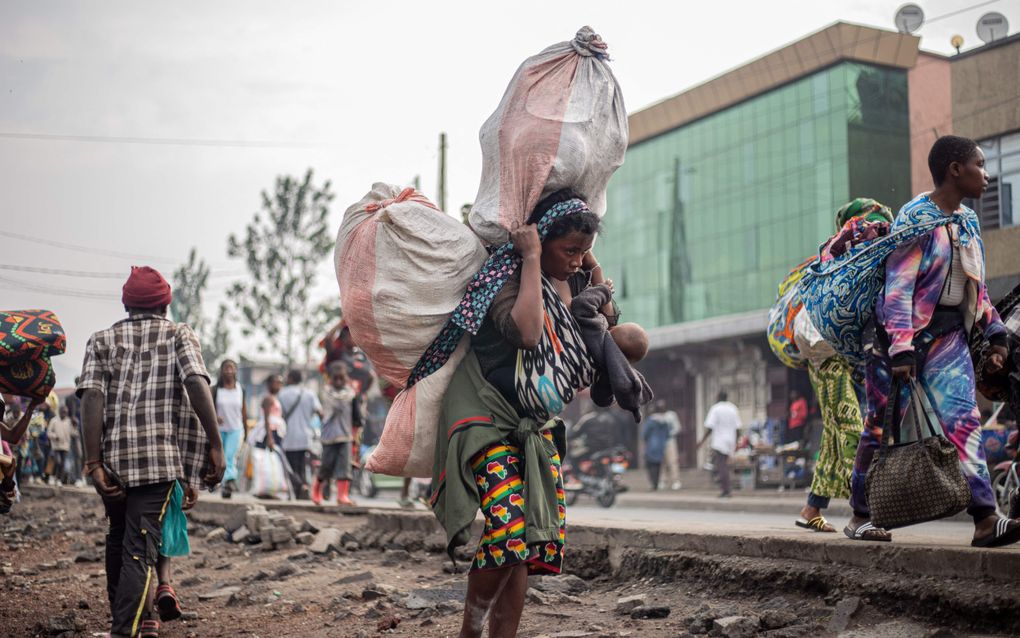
(934, 294)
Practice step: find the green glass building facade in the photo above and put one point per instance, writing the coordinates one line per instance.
(705, 219)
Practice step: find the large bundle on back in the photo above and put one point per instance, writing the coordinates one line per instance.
(28, 338)
(561, 124)
(403, 266)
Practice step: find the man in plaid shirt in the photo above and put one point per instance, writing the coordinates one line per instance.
(149, 421)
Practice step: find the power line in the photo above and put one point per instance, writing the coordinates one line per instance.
(94, 274)
(959, 11)
(71, 292)
(92, 249)
(165, 141)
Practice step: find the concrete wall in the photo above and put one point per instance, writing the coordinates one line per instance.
(929, 86)
(986, 86)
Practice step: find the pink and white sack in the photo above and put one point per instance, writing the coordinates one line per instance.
(403, 266)
(560, 124)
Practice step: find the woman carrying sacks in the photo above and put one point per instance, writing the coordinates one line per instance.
(503, 442)
(832, 379)
(934, 294)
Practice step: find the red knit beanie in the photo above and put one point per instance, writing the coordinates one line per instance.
(146, 289)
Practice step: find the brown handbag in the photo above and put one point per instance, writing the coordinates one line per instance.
(916, 481)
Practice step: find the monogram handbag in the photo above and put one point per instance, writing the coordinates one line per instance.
(919, 480)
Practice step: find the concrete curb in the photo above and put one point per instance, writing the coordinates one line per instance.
(832, 550)
(900, 558)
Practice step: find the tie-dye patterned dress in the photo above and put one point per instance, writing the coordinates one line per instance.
(913, 328)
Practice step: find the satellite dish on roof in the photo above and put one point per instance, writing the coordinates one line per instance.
(992, 26)
(909, 18)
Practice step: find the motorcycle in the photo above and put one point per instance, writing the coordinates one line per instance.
(1006, 480)
(599, 476)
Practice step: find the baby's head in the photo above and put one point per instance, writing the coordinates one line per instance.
(632, 340)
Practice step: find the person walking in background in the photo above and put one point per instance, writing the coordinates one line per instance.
(671, 453)
(721, 425)
(149, 422)
(343, 409)
(271, 427)
(798, 418)
(232, 415)
(934, 295)
(832, 379)
(655, 435)
(59, 433)
(299, 405)
(76, 455)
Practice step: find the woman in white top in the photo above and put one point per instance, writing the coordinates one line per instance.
(233, 418)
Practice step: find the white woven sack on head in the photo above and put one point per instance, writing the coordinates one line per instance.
(561, 124)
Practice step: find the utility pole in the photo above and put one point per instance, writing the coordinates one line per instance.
(441, 198)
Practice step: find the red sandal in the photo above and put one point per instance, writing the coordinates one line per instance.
(149, 629)
(167, 604)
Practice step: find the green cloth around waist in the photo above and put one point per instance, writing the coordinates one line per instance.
(475, 416)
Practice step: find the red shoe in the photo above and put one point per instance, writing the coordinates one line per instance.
(167, 604)
(317, 491)
(149, 629)
(343, 492)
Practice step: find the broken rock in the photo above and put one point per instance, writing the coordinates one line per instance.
(648, 612)
(327, 539)
(735, 627)
(628, 604)
(845, 610)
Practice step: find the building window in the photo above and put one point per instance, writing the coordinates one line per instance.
(999, 207)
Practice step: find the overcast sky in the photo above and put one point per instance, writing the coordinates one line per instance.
(359, 91)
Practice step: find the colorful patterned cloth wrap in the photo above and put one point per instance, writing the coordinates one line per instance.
(782, 315)
(28, 338)
(548, 376)
(469, 314)
(865, 209)
(854, 232)
(841, 427)
(498, 476)
(840, 293)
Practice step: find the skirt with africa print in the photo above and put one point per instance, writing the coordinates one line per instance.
(497, 473)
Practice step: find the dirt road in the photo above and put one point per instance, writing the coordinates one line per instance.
(53, 584)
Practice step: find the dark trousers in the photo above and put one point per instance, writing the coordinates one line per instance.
(59, 458)
(132, 549)
(654, 469)
(722, 467)
(296, 460)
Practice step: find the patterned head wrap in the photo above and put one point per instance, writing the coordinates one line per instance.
(866, 208)
(474, 306)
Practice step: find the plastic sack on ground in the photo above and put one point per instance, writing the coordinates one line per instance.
(403, 266)
(269, 474)
(560, 124)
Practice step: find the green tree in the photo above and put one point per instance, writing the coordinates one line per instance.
(282, 247)
(189, 284)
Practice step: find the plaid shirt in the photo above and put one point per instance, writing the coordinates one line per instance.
(150, 432)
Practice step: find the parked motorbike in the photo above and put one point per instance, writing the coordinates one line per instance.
(1006, 479)
(599, 476)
